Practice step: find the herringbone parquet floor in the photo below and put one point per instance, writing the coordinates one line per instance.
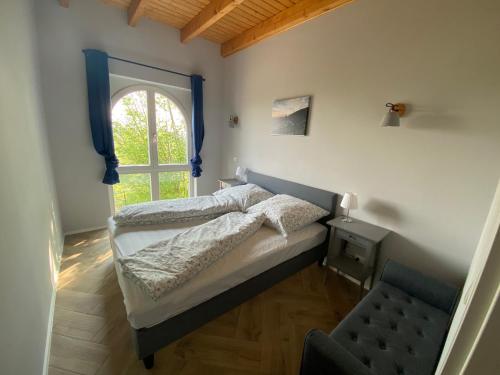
(262, 336)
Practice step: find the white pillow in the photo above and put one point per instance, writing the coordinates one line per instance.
(287, 214)
(245, 195)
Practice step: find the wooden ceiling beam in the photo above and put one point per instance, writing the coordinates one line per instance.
(136, 11)
(209, 15)
(64, 3)
(299, 13)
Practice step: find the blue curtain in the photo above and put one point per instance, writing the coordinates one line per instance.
(197, 123)
(100, 111)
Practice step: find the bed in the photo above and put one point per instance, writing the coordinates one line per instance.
(255, 265)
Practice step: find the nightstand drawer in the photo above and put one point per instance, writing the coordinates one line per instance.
(356, 240)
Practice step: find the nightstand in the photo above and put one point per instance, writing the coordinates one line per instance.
(229, 182)
(364, 237)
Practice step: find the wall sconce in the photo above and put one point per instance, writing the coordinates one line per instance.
(233, 121)
(391, 118)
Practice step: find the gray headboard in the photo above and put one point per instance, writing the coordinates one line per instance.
(322, 198)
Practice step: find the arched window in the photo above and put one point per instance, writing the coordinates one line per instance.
(152, 142)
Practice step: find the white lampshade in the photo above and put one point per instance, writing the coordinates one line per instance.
(391, 118)
(241, 173)
(349, 201)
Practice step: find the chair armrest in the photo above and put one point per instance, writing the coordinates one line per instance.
(434, 292)
(322, 355)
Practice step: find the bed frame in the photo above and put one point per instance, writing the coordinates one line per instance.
(149, 340)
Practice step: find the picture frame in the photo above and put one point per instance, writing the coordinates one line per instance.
(291, 116)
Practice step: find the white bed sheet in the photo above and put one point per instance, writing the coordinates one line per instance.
(264, 250)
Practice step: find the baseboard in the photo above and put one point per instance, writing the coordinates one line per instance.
(48, 340)
(50, 323)
(78, 231)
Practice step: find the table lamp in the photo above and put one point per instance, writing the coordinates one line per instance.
(350, 202)
(241, 173)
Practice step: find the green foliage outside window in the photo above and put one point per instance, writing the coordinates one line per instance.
(171, 130)
(130, 129)
(131, 137)
(174, 185)
(133, 188)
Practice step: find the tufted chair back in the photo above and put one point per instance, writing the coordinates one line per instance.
(427, 289)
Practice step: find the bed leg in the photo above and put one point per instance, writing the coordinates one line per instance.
(149, 361)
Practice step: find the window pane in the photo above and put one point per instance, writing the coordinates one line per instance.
(171, 131)
(130, 129)
(133, 188)
(174, 185)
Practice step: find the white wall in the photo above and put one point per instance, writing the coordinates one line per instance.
(430, 181)
(63, 33)
(30, 238)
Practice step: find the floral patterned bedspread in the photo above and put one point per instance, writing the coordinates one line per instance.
(176, 210)
(166, 265)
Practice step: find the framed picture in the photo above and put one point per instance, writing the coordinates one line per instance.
(290, 116)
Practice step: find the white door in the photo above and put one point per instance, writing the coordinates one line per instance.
(477, 302)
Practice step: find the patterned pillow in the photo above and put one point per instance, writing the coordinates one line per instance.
(245, 195)
(287, 214)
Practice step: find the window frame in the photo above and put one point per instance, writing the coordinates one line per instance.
(154, 168)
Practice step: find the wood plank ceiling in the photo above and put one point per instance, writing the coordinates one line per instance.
(234, 24)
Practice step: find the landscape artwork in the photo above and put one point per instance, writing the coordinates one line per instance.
(290, 116)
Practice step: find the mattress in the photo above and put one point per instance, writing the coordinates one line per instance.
(264, 250)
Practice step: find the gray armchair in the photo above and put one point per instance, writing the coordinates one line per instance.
(397, 329)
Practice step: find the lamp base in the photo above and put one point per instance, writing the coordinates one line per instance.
(346, 219)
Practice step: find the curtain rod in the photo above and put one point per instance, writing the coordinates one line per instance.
(151, 67)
